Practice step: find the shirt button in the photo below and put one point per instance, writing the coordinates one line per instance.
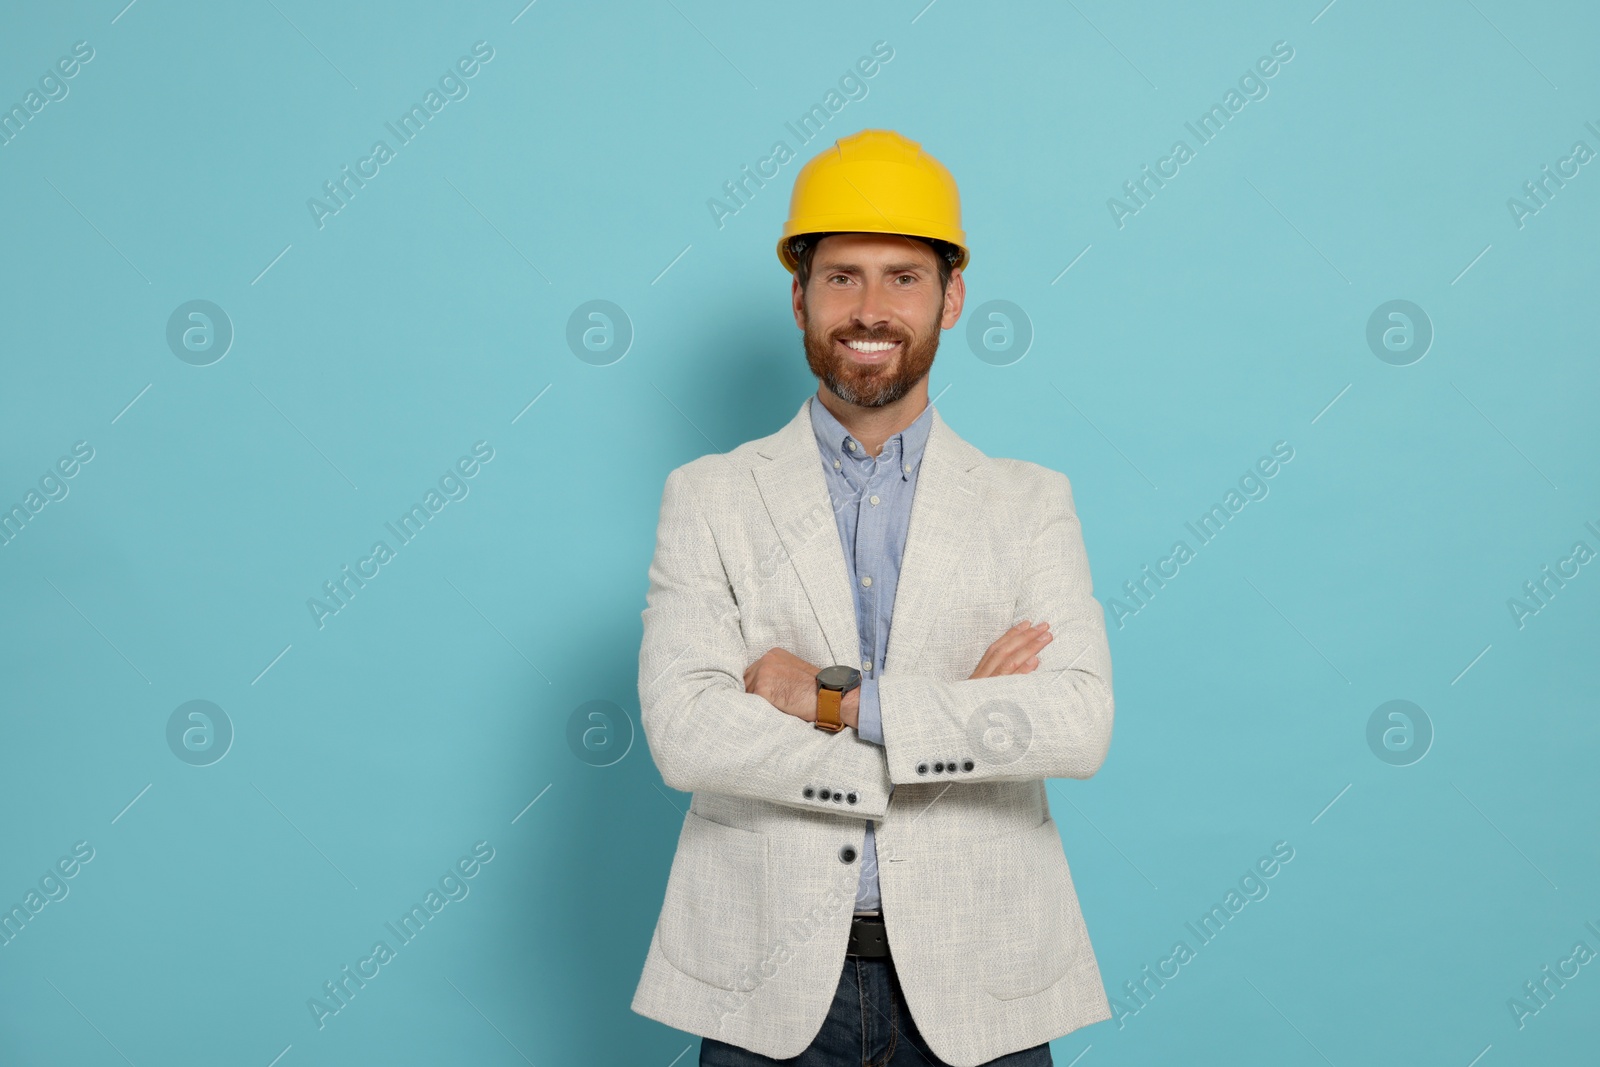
(873, 498)
(866, 666)
(908, 467)
(867, 580)
(851, 445)
(837, 464)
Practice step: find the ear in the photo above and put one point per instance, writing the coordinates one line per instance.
(955, 295)
(797, 297)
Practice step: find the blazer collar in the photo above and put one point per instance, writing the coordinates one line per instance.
(944, 511)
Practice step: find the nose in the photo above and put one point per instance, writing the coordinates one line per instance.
(873, 312)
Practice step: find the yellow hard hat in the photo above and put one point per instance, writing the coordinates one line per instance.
(875, 181)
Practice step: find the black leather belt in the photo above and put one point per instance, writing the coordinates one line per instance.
(868, 936)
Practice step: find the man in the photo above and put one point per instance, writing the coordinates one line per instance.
(869, 872)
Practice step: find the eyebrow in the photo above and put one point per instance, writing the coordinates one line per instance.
(892, 268)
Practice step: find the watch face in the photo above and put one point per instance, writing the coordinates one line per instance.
(840, 677)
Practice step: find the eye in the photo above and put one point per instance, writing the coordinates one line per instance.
(907, 277)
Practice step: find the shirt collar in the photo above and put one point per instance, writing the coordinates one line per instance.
(834, 440)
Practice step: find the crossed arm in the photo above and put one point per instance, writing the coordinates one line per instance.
(1038, 705)
(789, 683)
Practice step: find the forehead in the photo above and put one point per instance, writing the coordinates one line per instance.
(872, 249)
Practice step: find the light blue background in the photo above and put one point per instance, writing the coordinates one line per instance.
(431, 712)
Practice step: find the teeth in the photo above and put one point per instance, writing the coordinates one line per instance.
(871, 346)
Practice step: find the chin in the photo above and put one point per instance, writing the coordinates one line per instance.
(867, 394)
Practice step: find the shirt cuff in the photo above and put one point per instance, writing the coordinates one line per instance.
(869, 724)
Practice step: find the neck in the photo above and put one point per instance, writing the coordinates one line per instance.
(873, 426)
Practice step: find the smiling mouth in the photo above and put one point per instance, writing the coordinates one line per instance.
(870, 351)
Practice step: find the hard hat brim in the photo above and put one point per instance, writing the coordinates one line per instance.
(857, 224)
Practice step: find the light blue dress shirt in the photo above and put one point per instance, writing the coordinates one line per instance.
(872, 505)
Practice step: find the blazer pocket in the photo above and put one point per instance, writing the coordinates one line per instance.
(1024, 926)
(714, 917)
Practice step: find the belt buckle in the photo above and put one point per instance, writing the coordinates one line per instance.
(868, 937)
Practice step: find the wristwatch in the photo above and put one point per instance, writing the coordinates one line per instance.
(832, 684)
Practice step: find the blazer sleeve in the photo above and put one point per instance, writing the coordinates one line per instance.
(704, 731)
(1054, 721)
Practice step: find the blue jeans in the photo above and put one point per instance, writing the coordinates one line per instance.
(868, 1025)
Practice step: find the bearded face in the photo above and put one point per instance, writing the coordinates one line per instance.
(871, 367)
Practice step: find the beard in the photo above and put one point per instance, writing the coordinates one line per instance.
(871, 385)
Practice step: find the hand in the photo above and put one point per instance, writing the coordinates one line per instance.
(789, 684)
(1015, 652)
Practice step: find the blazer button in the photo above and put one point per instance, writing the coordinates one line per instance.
(938, 767)
(823, 794)
(808, 792)
(966, 765)
(837, 796)
(851, 797)
(922, 768)
(847, 855)
(950, 765)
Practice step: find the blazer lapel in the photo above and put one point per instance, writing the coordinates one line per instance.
(943, 513)
(797, 501)
(939, 539)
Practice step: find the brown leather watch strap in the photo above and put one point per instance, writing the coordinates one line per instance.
(828, 703)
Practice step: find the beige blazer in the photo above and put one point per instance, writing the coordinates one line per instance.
(983, 921)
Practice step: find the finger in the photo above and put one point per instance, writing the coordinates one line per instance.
(1010, 651)
(998, 654)
(1013, 638)
(1028, 658)
(1016, 645)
